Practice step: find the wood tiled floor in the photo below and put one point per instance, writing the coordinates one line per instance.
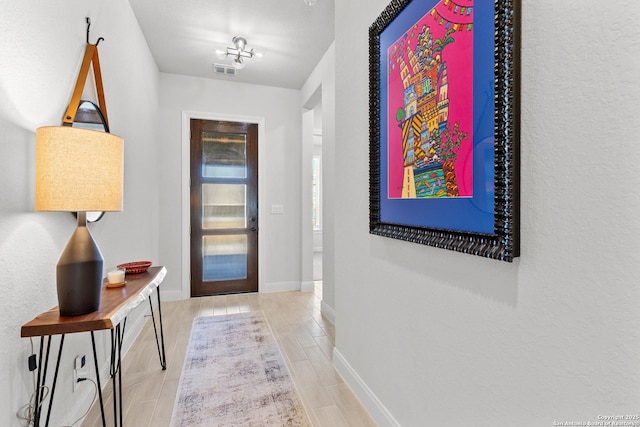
(304, 336)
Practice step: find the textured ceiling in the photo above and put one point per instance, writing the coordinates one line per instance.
(183, 36)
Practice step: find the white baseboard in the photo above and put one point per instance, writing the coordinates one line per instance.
(280, 287)
(370, 401)
(328, 312)
(265, 288)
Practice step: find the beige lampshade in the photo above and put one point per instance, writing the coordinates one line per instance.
(78, 170)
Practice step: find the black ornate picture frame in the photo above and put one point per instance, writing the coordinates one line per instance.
(414, 139)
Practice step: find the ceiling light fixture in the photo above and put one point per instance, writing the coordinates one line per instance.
(311, 2)
(240, 52)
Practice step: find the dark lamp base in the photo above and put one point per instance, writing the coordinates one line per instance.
(79, 273)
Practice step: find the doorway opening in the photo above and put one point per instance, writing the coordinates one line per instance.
(312, 195)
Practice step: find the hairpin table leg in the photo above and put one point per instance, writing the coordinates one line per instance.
(161, 354)
(95, 361)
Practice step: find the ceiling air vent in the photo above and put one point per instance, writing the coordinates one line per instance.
(225, 69)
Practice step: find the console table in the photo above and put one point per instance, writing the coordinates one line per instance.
(115, 305)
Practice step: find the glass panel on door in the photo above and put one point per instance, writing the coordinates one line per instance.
(224, 155)
(224, 257)
(224, 206)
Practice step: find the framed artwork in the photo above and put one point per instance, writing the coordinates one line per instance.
(444, 125)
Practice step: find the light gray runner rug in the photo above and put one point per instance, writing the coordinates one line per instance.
(234, 375)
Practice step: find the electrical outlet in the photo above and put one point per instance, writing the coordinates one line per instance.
(81, 361)
(79, 370)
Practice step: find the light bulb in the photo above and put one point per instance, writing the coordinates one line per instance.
(240, 42)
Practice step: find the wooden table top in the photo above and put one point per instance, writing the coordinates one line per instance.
(115, 304)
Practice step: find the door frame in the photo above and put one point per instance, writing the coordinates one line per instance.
(186, 184)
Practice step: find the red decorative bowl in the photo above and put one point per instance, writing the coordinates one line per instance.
(135, 267)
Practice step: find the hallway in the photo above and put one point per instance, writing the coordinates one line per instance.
(304, 337)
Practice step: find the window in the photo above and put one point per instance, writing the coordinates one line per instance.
(316, 195)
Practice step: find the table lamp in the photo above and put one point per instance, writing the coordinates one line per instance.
(79, 170)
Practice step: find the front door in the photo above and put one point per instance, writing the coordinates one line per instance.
(224, 207)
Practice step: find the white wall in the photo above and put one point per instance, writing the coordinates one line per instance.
(442, 338)
(41, 46)
(279, 171)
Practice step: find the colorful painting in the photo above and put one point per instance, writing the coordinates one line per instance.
(444, 125)
(430, 105)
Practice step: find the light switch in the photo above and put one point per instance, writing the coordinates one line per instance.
(277, 209)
